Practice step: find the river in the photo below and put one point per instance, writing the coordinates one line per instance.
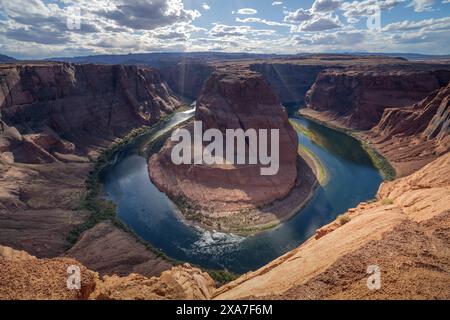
(352, 178)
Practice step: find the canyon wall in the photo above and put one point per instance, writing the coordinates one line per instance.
(56, 119)
(50, 108)
(358, 97)
(413, 136)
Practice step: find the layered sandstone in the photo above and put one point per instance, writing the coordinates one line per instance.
(25, 277)
(231, 100)
(111, 251)
(358, 97)
(406, 233)
(412, 136)
(56, 111)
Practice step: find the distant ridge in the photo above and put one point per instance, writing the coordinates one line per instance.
(4, 59)
(160, 58)
(409, 56)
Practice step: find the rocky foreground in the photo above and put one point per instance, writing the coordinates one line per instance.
(226, 194)
(405, 232)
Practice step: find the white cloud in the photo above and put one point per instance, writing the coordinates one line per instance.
(205, 6)
(262, 21)
(434, 24)
(319, 23)
(221, 30)
(336, 38)
(147, 14)
(357, 9)
(422, 5)
(247, 11)
(299, 15)
(326, 5)
(318, 18)
(279, 3)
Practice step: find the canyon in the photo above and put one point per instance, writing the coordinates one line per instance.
(58, 117)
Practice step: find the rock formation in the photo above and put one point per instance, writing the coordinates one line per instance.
(412, 136)
(358, 97)
(48, 107)
(231, 100)
(26, 277)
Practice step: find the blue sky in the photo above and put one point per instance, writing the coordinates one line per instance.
(39, 28)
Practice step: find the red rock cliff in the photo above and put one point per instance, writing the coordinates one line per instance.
(52, 106)
(232, 100)
(359, 97)
(412, 136)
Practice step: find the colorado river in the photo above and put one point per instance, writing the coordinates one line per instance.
(352, 178)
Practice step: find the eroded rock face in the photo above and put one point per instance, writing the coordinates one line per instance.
(179, 283)
(25, 277)
(95, 250)
(412, 136)
(359, 97)
(231, 100)
(55, 104)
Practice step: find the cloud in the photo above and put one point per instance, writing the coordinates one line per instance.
(326, 5)
(406, 25)
(147, 14)
(143, 24)
(262, 21)
(205, 6)
(336, 38)
(357, 9)
(221, 30)
(422, 5)
(297, 16)
(279, 3)
(319, 23)
(39, 35)
(247, 11)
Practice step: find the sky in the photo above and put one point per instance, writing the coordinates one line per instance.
(48, 28)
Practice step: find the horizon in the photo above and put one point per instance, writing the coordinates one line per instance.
(42, 29)
(250, 54)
